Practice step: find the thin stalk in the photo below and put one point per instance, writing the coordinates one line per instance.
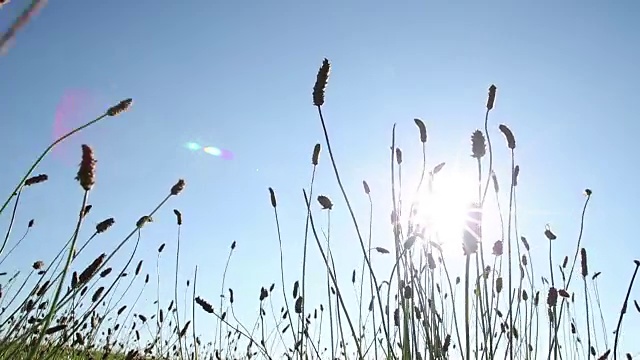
(575, 257)
(353, 218)
(466, 308)
(10, 227)
(624, 311)
(373, 313)
(175, 289)
(52, 310)
(335, 282)
(193, 314)
(509, 256)
(224, 277)
(329, 302)
(284, 294)
(304, 257)
(586, 303)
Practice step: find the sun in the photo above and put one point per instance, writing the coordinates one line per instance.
(443, 206)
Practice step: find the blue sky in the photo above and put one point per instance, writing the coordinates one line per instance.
(238, 75)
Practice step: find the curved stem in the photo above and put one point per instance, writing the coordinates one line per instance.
(10, 227)
(44, 153)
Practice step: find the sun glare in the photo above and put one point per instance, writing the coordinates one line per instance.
(443, 209)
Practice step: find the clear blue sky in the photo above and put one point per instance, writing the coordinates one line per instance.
(238, 75)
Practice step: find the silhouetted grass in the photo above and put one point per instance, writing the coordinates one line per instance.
(67, 308)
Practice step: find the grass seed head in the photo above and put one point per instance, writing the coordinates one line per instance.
(321, 83)
(106, 272)
(104, 225)
(88, 273)
(138, 268)
(178, 216)
(206, 306)
(583, 262)
(398, 156)
(36, 179)
(365, 185)
(491, 99)
(272, 195)
(422, 129)
(178, 187)
(86, 210)
(498, 248)
(511, 140)
(478, 146)
(430, 261)
(325, 202)
(55, 329)
(494, 179)
(143, 220)
(549, 234)
(298, 305)
(97, 294)
(120, 107)
(316, 154)
(552, 297)
(446, 344)
(183, 332)
(86, 172)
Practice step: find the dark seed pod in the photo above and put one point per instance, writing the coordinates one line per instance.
(478, 146)
(492, 97)
(178, 187)
(423, 130)
(119, 108)
(178, 216)
(298, 305)
(367, 190)
(583, 262)
(273, 197)
(325, 202)
(321, 83)
(316, 154)
(511, 140)
(549, 234)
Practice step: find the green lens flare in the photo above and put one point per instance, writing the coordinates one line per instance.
(193, 146)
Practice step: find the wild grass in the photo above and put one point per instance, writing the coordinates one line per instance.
(418, 310)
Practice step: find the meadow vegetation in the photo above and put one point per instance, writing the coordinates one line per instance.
(496, 308)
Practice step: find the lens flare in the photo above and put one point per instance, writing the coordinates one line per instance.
(192, 146)
(211, 150)
(76, 106)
